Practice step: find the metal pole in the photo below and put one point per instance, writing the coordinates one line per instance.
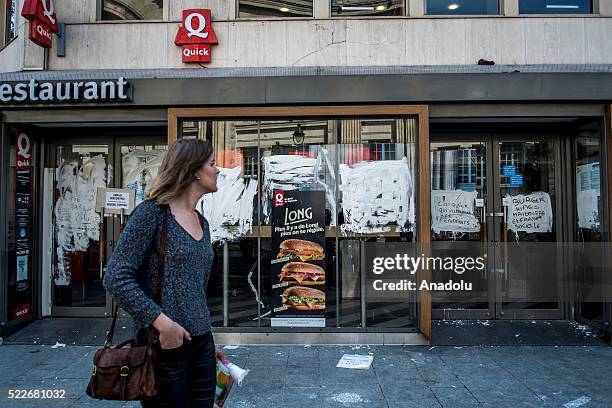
(225, 283)
(102, 242)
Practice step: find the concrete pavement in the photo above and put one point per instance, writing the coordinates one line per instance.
(401, 376)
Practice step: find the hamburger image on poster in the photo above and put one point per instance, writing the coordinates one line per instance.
(302, 273)
(303, 298)
(300, 250)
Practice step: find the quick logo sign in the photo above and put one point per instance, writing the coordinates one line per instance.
(43, 21)
(196, 35)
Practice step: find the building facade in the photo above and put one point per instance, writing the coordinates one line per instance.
(472, 128)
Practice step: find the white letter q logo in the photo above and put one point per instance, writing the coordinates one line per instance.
(23, 145)
(201, 25)
(48, 9)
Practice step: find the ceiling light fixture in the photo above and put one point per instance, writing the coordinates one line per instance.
(380, 8)
(298, 135)
(453, 6)
(356, 8)
(284, 9)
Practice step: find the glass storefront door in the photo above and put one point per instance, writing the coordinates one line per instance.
(459, 169)
(82, 239)
(529, 263)
(79, 170)
(508, 190)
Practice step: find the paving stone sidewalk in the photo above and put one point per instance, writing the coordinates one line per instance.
(401, 376)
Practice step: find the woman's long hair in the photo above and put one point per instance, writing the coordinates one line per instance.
(176, 173)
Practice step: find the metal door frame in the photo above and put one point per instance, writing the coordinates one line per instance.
(51, 161)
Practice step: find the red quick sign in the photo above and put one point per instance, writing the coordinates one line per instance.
(196, 35)
(43, 21)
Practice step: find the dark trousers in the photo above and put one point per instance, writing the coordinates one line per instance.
(186, 376)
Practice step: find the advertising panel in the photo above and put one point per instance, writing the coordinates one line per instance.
(20, 283)
(298, 259)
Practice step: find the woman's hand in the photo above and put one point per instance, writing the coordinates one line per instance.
(219, 353)
(171, 334)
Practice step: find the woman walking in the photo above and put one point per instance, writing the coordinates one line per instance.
(186, 367)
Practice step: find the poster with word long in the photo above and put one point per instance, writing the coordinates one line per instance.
(530, 213)
(298, 259)
(453, 210)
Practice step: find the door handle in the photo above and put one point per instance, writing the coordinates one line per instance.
(495, 214)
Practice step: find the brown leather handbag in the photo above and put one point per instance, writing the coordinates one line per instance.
(128, 373)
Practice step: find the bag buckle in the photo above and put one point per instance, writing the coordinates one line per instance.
(125, 370)
(95, 370)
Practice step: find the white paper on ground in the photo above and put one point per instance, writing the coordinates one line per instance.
(355, 362)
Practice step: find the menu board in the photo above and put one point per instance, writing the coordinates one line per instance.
(298, 259)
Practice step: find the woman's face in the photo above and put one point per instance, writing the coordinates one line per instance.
(206, 176)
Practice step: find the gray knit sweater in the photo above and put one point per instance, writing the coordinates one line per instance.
(131, 273)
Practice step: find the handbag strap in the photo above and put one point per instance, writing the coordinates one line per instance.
(160, 273)
(162, 256)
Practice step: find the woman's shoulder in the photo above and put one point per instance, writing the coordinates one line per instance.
(148, 208)
(147, 214)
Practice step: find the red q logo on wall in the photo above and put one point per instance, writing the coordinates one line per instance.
(43, 21)
(196, 35)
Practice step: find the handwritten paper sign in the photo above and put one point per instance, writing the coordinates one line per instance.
(530, 213)
(453, 210)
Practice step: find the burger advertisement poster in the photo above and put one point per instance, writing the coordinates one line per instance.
(298, 260)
